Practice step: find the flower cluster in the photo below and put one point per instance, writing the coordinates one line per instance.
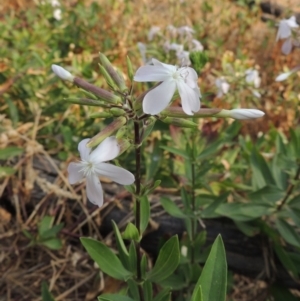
(173, 40)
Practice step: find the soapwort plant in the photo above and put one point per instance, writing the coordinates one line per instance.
(134, 118)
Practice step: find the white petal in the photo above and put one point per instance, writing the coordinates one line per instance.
(292, 22)
(75, 172)
(115, 173)
(189, 98)
(246, 113)
(287, 46)
(107, 150)
(157, 73)
(94, 190)
(191, 77)
(225, 87)
(283, 76)
(158, 99)
(284, 31)
(62, 73)
(84, 150)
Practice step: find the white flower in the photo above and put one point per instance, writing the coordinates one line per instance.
(285, 28)
(184, 58)
(62, 73)
(153, 32)
(57, 14)
(197, 46)
(252, 76)
(223, 86)
(185, 31)
(92, 166)
(184, 79)
(287, 46)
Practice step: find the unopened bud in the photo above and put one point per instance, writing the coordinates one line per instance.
(117, 112)
(117, 78)
(108, 78)
(129, 68)
(62, 73)
(106, 132)
(241, 114)
(101, 115)
(101, 93)
(124, 145)
(180, 122)
(179, 113)
(85, 101)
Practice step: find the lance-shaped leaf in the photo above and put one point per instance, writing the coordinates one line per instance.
(213, 279)
(167, 261)
(114, 297)
(107, 261)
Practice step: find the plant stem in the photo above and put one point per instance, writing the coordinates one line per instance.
(137, 142)
(193, 230)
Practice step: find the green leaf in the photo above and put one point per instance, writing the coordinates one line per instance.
(6, 171)
(46, 295)
(154, 162)
(171, 208)
(52, 232)
(131, 232)
(197, 295)
(148, 291)
(209, 211)
(288, 233)
(213, 279)
(107, 261)
(52, 243)
(167, 261)
(133, 289)
(28, 234)
(176, 151)
(261, 172)
(163, 295)
(286, 261)
(144, 264)
(268, 195)
(45, 224)
(145, 213)
(114, 297)
(132, 257)
(242, 212)
(10, 152)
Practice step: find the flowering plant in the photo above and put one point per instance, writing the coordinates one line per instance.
(134, 118)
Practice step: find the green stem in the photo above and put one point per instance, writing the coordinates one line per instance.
(194, 225)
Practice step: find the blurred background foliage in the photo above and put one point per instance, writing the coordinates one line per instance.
(246, 171)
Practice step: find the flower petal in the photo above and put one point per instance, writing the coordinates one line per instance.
(189, 98)
(287, 46)
(157, 73)
(75, 172)
(158, 99)
(107, 150)
(94, 190)
(283, 76)
(84, 150)
(115, 173)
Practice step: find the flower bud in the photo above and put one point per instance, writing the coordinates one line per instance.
(241, 114)
(117, 78)
(101, 93)
(124, 145)
(108, 78)
(106, 132)
(86, 102)
(117, 112)
(129, 68)
(179, 113)
(101, 115)
(62, 73)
